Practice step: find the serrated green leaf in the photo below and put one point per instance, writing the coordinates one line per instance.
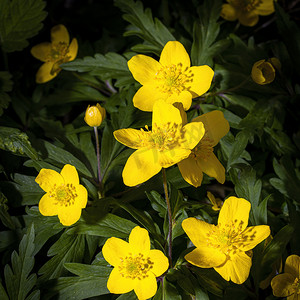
(88, 270)
(158, 203)
(17, 142)
(19, 21)
(151, 31)
(167, 291)
(3, 294)
(18, 281)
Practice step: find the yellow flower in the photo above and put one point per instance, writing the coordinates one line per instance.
(246, 11)
(64, 196)
(224, 246)
(94, 115)
(172, 79)
(216, 202)
(288, 283)
(263, 72)
(135, 265)
(202, 157)
(167, 143)
(55, 53)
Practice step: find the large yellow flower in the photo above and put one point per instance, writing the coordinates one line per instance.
(168, 143)
(135, 265)
(64, 196)
(202, 157)
(246, 11)
(288, 283)
(55, 53)
(224, 246)
(172, 79)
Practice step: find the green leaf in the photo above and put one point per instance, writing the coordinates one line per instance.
(6, 85)
(108, 66)
(17, 142)
(205, 32)
(20, 20)
(153, 32)
(88, 270)
(17, 279)
(167, 291)
(158, 203)
(3, 294)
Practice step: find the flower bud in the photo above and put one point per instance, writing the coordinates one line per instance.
(94, 115)
(263, 72)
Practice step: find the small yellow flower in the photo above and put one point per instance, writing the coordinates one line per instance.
(263, 72)
(64, 196)
(53, 54)
(172, 79)
(216, 202)
(167, 143)
(246, 11)
(288, 283)
(135, 265)
(202, 158)
(94, 115)
(224, 246)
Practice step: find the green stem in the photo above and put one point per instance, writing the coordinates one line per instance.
(98, 161)
(169, 214)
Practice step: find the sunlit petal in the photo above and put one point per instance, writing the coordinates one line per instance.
(48, 178)
(140, 241)
(70, 175)
(48, 206)
(160, 262)
(131, 138)
(146, 288)
(202, 79)
(118, 284)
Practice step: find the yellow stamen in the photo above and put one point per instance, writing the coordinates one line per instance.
(64, 195)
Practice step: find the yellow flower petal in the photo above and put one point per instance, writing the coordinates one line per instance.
(48, 206)
(41, 51)
(44, 73)
(131, 138)
(265, 8)
(146, 287)
(70, 175)
(165, 113)
(236, 268)
(160, 262)
(202, 79)
(191, 171)
(146, 96)
(141, 166)
(143, 68)
(59, 34)
(82, 196)
(72, 50)
(193, 133)
(206, 257)
(263, 72)
(183, 97)
(257, 234)
(248, 18)
(47, 178)
(197, 231)
(118, 284)
(114, 249)
(282, 285)
(211, 166)
(216, 126)
(68, 215)
(174, 53)
(292, 265)
(171, 157)
(228, 12)
(235, 209)
(139, 240)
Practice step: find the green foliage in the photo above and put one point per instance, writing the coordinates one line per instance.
(6, 85)
(19, 21)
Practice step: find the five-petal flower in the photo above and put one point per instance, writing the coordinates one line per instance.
(64, 196)
(288, 283)
(135, 265)
(246, 11)
(224, 246)
(202, 158)
(53, 54)
(172, 79)
(169, 142)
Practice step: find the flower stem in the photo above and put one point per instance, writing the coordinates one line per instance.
(98, 161)
(169, 214)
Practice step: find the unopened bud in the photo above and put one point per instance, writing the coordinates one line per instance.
(94, 115)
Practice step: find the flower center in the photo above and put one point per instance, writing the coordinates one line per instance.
(230, 237)
(204, 149)
(58, 52)
(135, 266)
(174, 79)
(64, 195)
(164, 137)
(245, 5)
